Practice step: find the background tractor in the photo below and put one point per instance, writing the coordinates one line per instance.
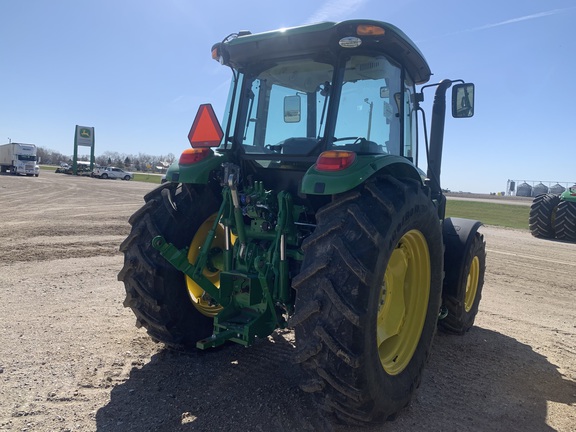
(306, 209)
(554, 216)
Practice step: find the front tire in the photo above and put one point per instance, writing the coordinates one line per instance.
(367, 300)
(463, 298)
(156, 291)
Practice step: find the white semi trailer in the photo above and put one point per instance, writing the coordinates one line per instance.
(19, 158)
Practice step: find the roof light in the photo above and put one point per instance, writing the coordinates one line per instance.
(218, 53)
(369, 30)
(335, 160)
(194, 155)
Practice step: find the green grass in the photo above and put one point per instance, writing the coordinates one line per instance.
(148, 178)
(143, 177)
(506, 215)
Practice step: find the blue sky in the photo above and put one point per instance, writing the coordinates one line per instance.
(137, 71)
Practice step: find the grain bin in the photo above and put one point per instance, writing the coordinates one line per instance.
(557, 189)
(524, 190)
(539, 189)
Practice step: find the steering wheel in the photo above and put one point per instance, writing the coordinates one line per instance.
(357, 140)
(274, 148)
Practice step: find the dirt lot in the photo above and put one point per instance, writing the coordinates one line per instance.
(71, 358)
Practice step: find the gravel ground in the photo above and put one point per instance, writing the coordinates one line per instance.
(71, 358)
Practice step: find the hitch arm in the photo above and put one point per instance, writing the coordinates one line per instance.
(179, 259)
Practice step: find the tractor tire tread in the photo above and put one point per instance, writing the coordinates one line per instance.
(346, 309)
(156, 291)
(542, 215)
(339, 269)
(565, 222)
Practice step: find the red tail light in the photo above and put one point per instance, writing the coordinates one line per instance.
(335, 160)
(194, 155)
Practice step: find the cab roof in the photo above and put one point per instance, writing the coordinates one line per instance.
(323, 40)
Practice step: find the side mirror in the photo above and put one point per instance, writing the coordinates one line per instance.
(292, 109)
(462, 100)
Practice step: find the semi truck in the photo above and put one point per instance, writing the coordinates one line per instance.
(19, 158)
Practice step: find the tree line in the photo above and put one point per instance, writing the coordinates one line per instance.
(140, 162)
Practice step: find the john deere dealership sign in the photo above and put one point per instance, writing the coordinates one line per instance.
(84, 136)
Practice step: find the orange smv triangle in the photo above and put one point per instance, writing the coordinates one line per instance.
(206, 130)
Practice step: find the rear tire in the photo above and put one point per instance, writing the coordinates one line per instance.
(155, 290)
(363, 347)
(463, 304)
(565, 221)
(542, 215)
(127, 177)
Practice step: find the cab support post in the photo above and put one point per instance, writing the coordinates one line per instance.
(436, 144)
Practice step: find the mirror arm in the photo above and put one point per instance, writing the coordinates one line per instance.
(437, 136)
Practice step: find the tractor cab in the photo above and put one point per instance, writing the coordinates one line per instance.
(330, 87)
(317, 100)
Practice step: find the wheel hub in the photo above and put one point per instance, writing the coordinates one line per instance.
(404, 302)
(203, 302)
(472, 284)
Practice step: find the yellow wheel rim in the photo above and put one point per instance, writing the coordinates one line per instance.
(472, 284)
(403, 302)
(202, 301)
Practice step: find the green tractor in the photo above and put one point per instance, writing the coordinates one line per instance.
(554, 216)
(305, 209)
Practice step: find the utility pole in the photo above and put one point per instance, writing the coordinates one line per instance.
(371, 105)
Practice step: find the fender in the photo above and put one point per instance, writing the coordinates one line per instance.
(197, 173)
(457, 234)
(569, 194)
(317, 182)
